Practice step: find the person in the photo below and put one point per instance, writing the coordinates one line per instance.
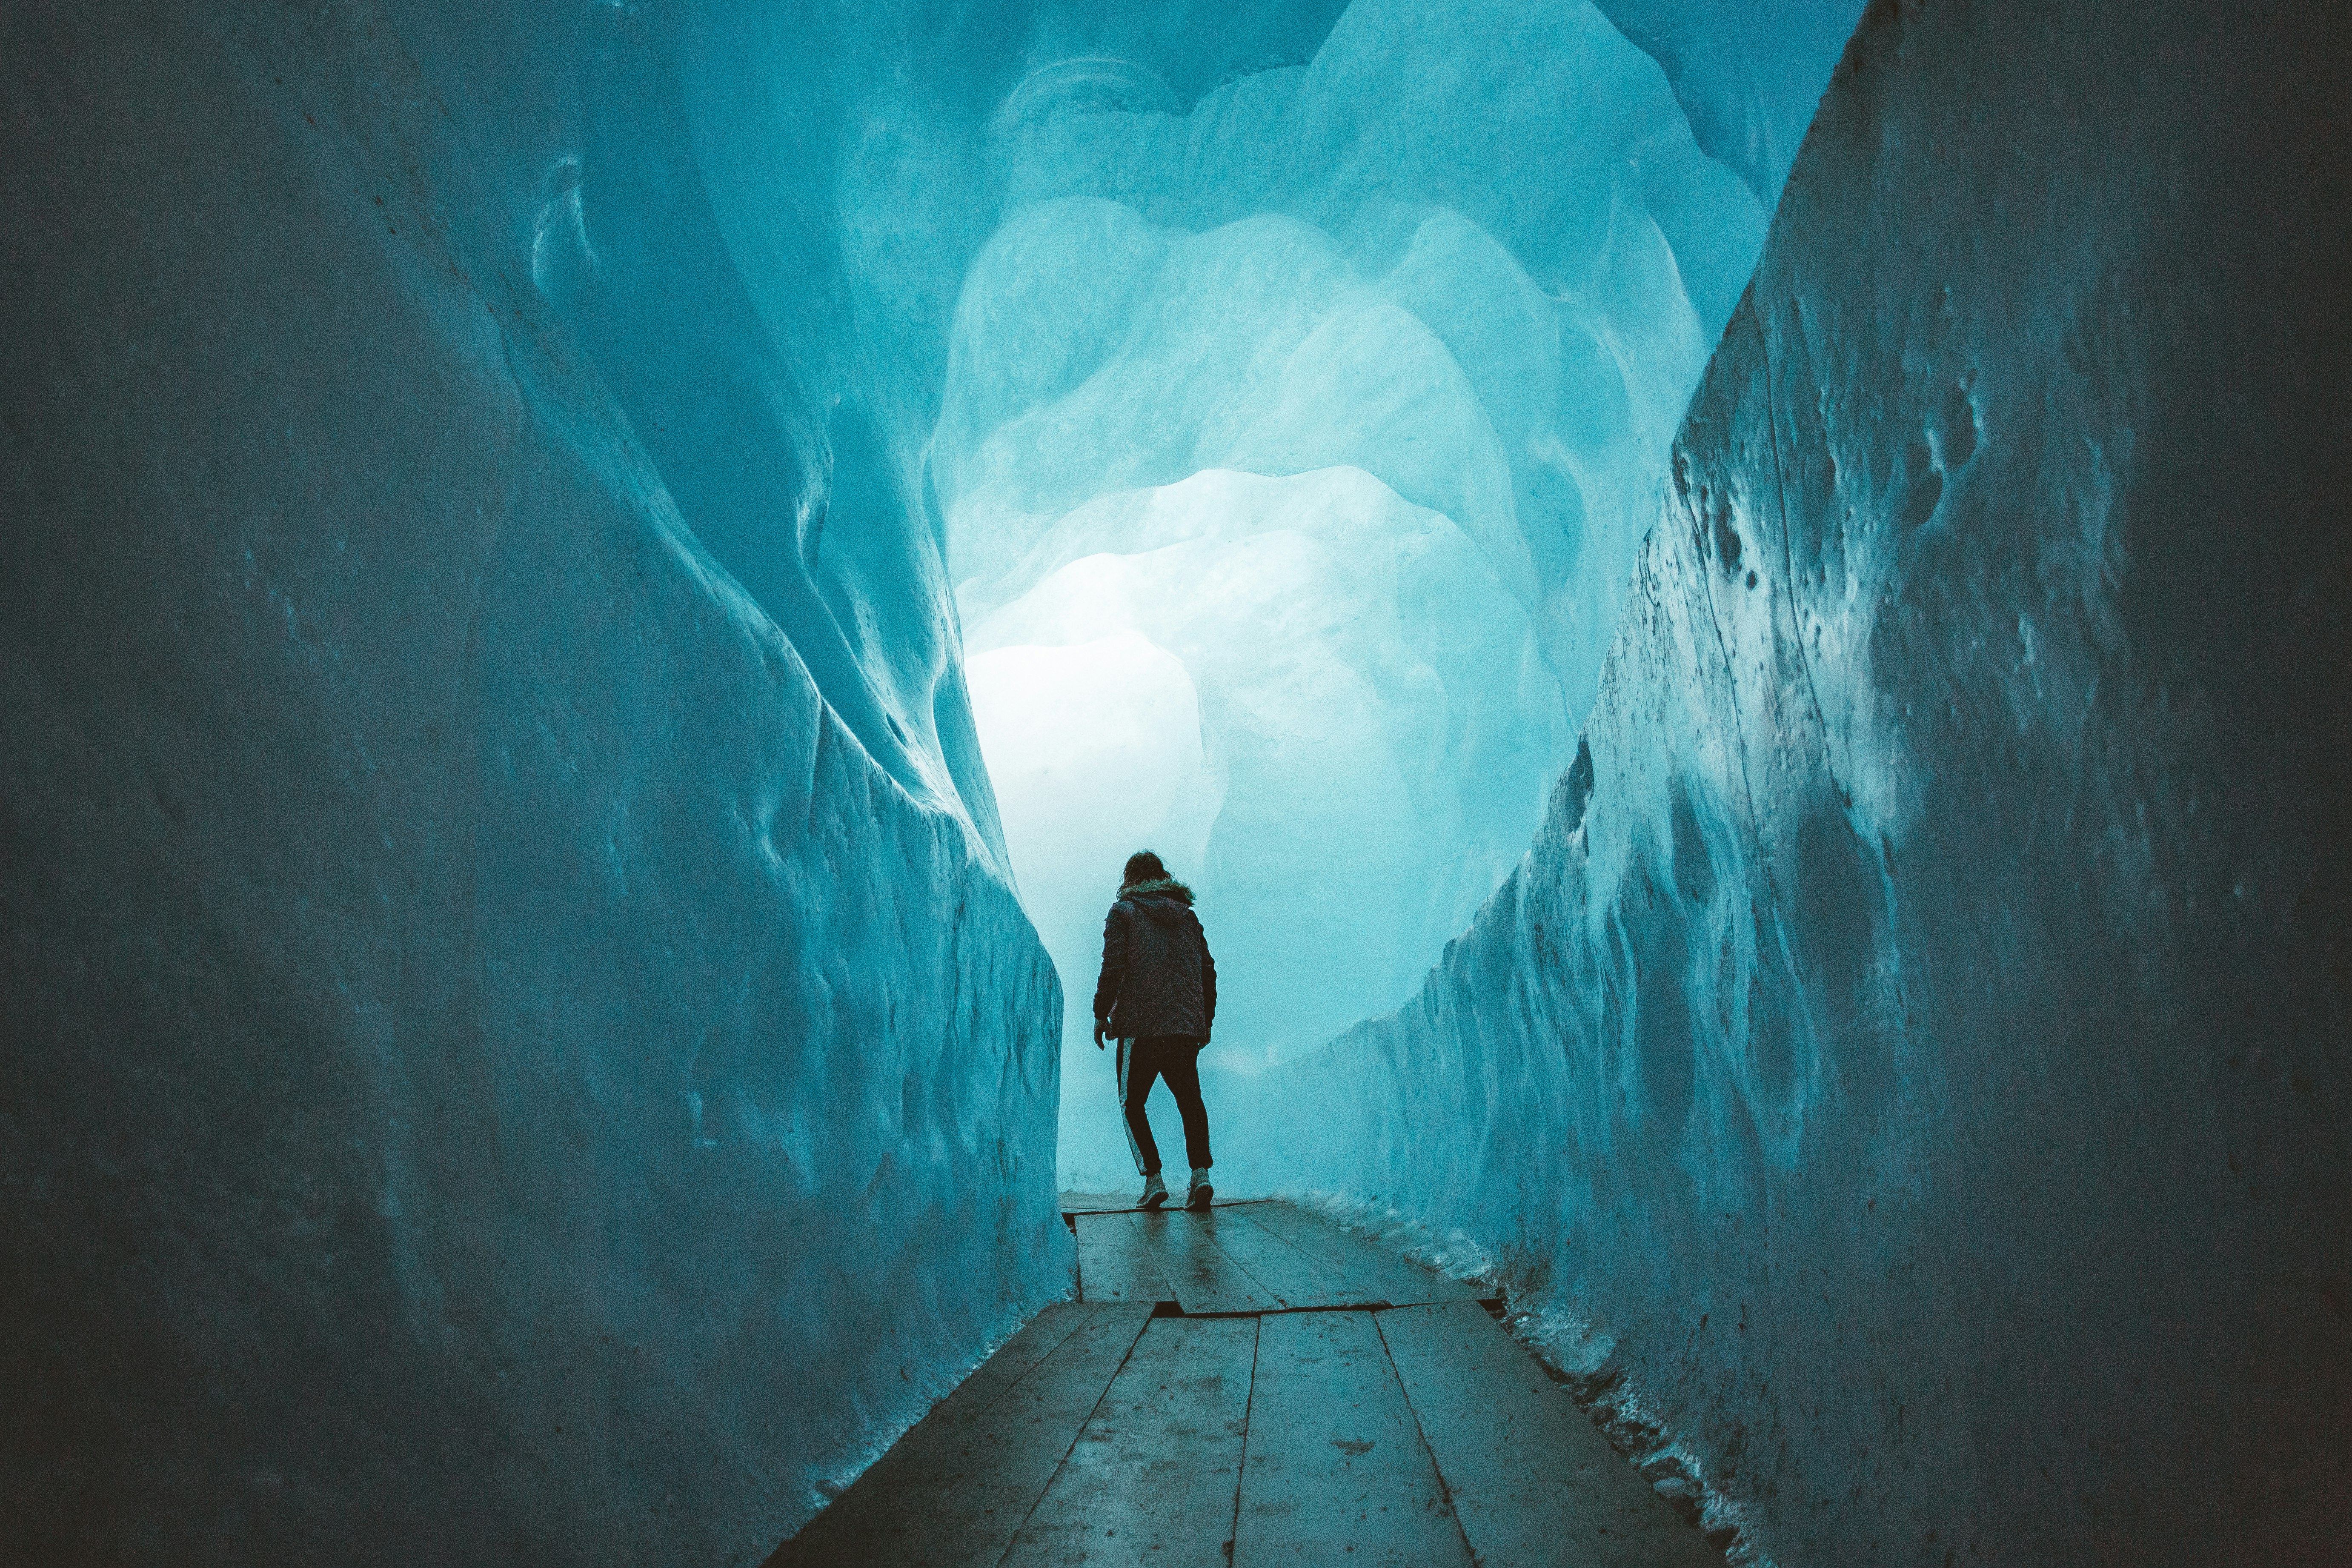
(1157, 995)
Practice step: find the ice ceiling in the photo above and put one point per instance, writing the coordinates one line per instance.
(1292, 456)
(1285, 432)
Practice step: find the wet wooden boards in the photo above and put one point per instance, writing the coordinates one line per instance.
(1205, 1279)
(1114, 1263)
(1392, 1277)
(1533, 1482)
(1245, 1258)
(952, 1492)
(1151, 1476)
(1336, 1472)
(1248, 1387)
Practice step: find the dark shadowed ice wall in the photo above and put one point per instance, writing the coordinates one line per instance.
(493, 1066)
(1918, 1036)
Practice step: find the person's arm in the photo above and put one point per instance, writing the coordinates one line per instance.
(1208, 987)
(1114, 970)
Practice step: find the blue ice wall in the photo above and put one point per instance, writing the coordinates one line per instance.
(516, 1042)
(1295, 447)
(1062, 279)
(1747, 72)
(1907, 1072)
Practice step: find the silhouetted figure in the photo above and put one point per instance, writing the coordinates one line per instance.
(1158, 995)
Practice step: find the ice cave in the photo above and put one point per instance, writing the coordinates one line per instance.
(1738, 615)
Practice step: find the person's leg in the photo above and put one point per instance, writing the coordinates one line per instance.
(1135, 1078)
(1180, 1066)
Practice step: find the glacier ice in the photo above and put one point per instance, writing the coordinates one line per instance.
(518, 1044)
(1357, 420)
(523, 944)
(1324, 735)
(1747, 72)
(531, 1036)
(523, 1014)
(1911, 1057)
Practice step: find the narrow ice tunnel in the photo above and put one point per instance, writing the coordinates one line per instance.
(1292, 455)
(1737, 613)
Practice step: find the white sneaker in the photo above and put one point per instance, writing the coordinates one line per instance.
(1155, 1192)
(1198, 1195)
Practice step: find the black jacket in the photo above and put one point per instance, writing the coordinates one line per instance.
(1156, 976)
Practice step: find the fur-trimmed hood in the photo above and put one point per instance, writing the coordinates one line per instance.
(1168, 886)
(1156, 976)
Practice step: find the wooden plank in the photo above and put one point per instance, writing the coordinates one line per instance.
(1038, 1339)
(1096, 1203)
(1206, 1280)
(1296, 1278)
(1399, 1280)
(1124, 1202)
(1335, 1470)
(1153, 1475)
(1532, 1479)
(1115, 1264)
(952, 1492)
(988, 1382)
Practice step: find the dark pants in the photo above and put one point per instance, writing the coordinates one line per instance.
(1178, 1060)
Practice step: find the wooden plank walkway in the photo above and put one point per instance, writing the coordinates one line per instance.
(1532, 1479)
(1249, 1387)
(1392, 1277)
(1115, 1264)
(1205, 1277)
(1336, 1472)
(1153, 1473)
(955, 1489)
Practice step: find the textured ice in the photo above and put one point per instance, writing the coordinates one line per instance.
(1283, 281)
(521, 1027)
(1747, 72)
(517, 1043)
(1352, 396)
(1917, 1035)
(1271, 678)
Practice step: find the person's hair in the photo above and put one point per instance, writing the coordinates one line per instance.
(1143, 866)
